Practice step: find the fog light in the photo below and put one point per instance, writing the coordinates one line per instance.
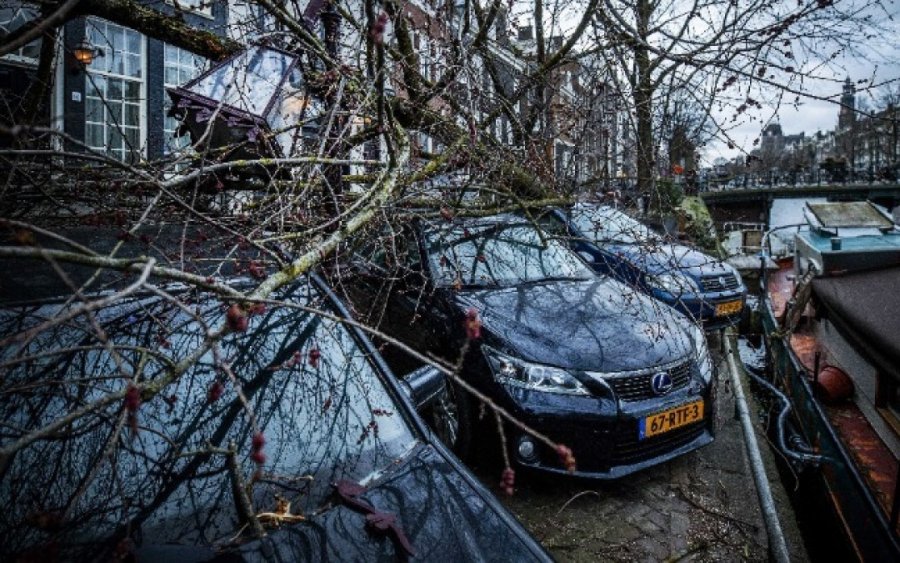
(527, 450)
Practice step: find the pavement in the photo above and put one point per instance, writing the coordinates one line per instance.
(700, 507)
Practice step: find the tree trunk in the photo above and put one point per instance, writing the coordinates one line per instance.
(643, 105)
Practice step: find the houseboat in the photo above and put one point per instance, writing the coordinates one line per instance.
(831, 315)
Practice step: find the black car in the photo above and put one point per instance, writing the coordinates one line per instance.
(288, 440)
(624, 381)
(698, 285)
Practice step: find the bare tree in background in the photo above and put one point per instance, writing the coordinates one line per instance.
(730, 57)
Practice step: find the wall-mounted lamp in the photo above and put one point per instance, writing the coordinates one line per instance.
(85, 52)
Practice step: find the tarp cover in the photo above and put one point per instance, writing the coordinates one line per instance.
(866, 307)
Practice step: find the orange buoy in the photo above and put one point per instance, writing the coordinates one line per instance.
(833, 385)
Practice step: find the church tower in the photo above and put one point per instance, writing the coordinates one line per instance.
(847, 115)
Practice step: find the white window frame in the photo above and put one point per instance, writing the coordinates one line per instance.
(199, 7)
(141, 151)
(168, 135)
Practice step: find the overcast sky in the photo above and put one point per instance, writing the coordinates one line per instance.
(877, 59)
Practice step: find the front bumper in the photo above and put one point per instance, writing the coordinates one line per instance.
(702, 307)
(603, 434)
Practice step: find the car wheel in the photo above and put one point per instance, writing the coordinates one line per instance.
(449, 419)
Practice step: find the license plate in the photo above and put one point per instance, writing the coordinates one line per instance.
(671, 419)
(729, 308)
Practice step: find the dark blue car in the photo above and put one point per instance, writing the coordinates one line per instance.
(695, 283)
(619, 378)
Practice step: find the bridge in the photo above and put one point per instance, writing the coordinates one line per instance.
(752, 204)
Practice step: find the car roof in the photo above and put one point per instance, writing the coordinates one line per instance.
(490, 220)
(188, 248)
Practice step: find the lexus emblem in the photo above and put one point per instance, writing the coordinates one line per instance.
(661, 383)
(722, 281)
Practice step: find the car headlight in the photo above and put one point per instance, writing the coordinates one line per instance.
(675, 284)
(513, 371)
(704, 359)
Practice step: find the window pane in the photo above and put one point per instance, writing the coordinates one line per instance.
(134, 42)
(133, 138)
(133, 66)
(114, 90)
(96, 86)
(171, 75)
(94, 136)
(114, 137)
(185, 58)
(114, 109)
(116, 37)
(93, 109)
(132, 115)
(132, 90)
(94, 35)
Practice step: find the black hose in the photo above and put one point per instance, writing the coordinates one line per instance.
(801, 457)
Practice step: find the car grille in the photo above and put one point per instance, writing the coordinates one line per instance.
(723, 282)
(636, 387)
(629, 449)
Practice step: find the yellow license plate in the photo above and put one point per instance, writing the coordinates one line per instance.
(729, 308)
(665, 421)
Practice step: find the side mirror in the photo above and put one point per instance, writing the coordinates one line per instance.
(424, 386)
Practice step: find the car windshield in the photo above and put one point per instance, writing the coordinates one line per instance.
(604, 224)
(168, 464)
(498, 255)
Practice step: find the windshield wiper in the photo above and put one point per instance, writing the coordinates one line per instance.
(551, 279)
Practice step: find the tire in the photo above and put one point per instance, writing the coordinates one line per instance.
(451, 421)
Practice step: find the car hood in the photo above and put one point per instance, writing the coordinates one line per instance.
(441, 514)
(661, 257)
(595, 325)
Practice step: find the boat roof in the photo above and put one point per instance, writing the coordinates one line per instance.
(849, 214)
(865, 306)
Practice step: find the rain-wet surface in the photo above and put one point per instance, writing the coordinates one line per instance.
(700, 507)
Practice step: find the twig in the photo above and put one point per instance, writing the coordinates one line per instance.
(574, 498)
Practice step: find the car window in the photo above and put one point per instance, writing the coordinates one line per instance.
(498, 255)
(165, 476)
(602, 224)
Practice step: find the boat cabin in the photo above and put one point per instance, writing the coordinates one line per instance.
(833, 319)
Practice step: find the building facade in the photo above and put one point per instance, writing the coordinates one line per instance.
(114, 104)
